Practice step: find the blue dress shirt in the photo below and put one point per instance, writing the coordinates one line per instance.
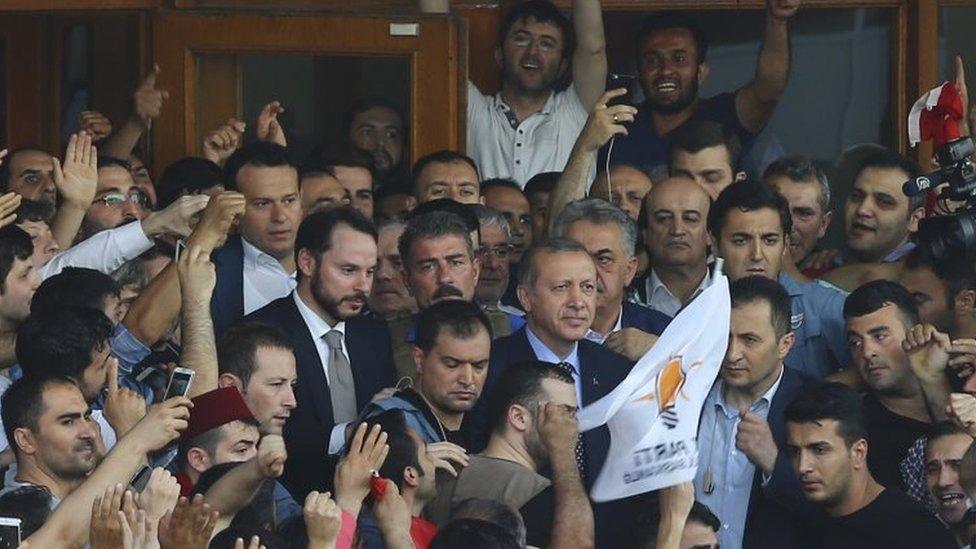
(818, 322)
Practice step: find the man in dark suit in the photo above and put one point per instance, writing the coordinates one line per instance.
(258, 266)
(744, 474)
(343, 358)
(558, 291)
(610, 237)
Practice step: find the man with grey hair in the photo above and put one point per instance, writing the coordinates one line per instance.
(494, 255)
(806, 188)
(609, 235)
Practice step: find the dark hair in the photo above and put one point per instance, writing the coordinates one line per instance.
(751, 289)
(831, 401)
(521, 383)
(35, 210)
(800, 169)
(473, 534)
(258, 153)
(696, 135)
(648, 522)
(943, 429)
(664, 20)
(189, 175)
(403, 449)
(345, 154)
(499, 182)
(75, 286)
(748, 196)
(529, 271)
(543, 182)
(111, 161)
(543, 11)
(885, 158)
(492, 511)
(315, 232)
(876, 294)
(15, 243)
(8, 161)
(60, 341)
(457, 317)
(314, 167)
(433, 224)
(440, 157)
(239, 345)
(22, 404)
(957, 272)
(31, 504)
(209, 439)
(362, 105)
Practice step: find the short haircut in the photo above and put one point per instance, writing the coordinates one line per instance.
(542, 11)
(15, 243)
(751, 289)
(543, 182)
(431, 225)
(458, 318)
(22, 404)
(403, 449)
(35, 210)
(664, 20)
(648, 523)
(258, 154)
(491, 217)
(748, 196)
(188, 175)
(315, 167)
(441, 157)
(943, 429)
(238, 347)
(5, 165)
(362, 105)
(315, 232)
(521, 383)
(492, 511)
(801, 169)
(600, 212)
(113, 162)
(75, 286)
(697, 135)
(31, 504)
(499, 183)
(60, 341)
(208, 440)
(346, 155)
(831, 401)
(888, 159)
(473, 534)
(529, 270)
(876, 294)
(956, 271)
(132, 272)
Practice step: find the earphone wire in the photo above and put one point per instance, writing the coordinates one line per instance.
(607, 168)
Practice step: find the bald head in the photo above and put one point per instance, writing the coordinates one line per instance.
(675, 229)
(628, 186)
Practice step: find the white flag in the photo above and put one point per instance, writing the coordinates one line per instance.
(653, 414)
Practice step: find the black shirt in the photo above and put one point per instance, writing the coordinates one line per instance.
(891, 521)
(889, 438)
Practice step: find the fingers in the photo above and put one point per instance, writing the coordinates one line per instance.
(71, 150)
(113, 375)
(445, 465)
(3, 154)
(83, 151)
(960, 73)
(356, 446)
(149, 82)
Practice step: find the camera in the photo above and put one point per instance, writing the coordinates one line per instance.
(942, 236)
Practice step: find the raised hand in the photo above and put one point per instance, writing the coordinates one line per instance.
(605, 122)
(188, 526)
(962, 357)
(197, 274)
(782, 9)
(272, 456)
(163, 423)
(393, 516)
(178, 218)
(77, 179)
(367, 452)
(323, 519)
(268, 128)
(255, 543)
(755, 440)
(160, 495)
(558, 428)
(211, 232)
(448, 456)
(962, 410)
(963, 91)
(219, 144)
(8, 208)
(147, 100)
(928, 352)
(95, 124)
(124, 408)
(106, 531)
(138, 531)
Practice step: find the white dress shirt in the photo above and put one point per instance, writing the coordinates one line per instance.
(545, 354)
(265, 280)
(660, 298)
(598, 338)
(104, 251)
(317, 328)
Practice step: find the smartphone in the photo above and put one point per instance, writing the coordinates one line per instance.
(141, 479)
(626, 81)
(179, 383)
(9, 533)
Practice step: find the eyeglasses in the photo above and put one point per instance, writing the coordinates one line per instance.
(501, 251)
(117, 200)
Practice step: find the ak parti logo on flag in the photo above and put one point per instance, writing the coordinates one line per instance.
(668, 385)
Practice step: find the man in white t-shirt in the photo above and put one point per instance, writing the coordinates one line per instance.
(529, 127)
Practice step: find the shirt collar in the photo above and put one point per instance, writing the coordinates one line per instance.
(766, 398)
(545, 354)
(254, 257)
(546, 109)
(790, 284)
(654, 283)
(316, 324)
(597, 337)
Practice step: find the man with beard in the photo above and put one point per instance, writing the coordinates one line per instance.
(805, 186)
(343, 358)
(528, 127)
(377, 127)
(671, 53)
(944, 451)
(118, 200)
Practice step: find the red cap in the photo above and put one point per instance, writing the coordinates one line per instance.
(213, 409)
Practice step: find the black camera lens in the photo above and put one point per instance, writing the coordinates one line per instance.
(944, 236)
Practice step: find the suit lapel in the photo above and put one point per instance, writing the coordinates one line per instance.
(311, 371)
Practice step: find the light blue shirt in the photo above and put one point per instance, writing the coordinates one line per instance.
(732, 472)
(545, 354)
(818, 322)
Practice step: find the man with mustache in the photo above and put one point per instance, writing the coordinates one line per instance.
(343, 358)
(528, 127)
(118, 200)
(377, 127)
(830, 444)
(805, 186)
(494, 255)
(389, 298)
(944, 450)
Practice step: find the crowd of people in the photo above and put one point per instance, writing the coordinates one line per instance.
(392, 354)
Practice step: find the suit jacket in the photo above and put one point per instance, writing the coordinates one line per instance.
(643, 318)
(227, 303)
(779, 516)
(310, 425)
(600, 371)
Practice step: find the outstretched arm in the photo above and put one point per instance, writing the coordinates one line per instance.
(590, 57)
(147, 103)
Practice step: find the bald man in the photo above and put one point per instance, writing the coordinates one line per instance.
(628, 186)
(676, 240)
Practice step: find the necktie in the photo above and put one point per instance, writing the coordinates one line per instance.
(580, 458)
(341, 385)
